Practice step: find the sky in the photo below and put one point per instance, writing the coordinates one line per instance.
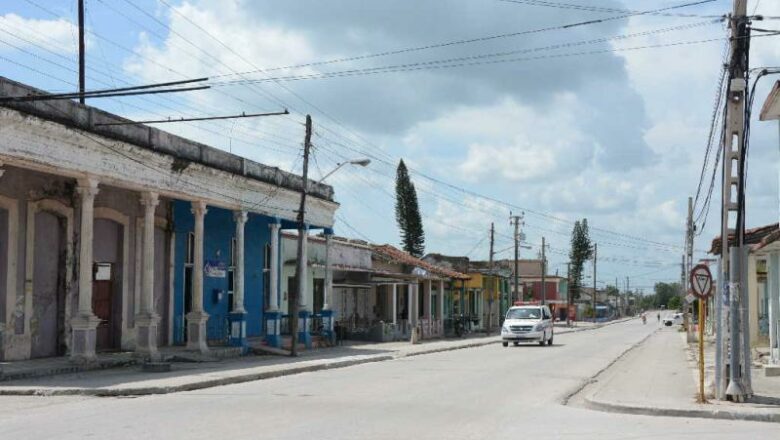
(497, 107)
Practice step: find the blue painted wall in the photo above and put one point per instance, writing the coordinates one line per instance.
(219, 230)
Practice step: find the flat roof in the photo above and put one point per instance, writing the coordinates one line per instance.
(85, 117)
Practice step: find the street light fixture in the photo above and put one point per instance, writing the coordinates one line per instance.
(360, 162)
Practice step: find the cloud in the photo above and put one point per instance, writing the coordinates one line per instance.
(56, 35)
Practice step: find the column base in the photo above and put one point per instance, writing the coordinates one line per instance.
(238, 331)
(273, 335)
(196, 331)
(327, 326)
(84, 338)
(304, 328)
(146, 325)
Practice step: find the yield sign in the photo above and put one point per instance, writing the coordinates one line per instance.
(701, 281)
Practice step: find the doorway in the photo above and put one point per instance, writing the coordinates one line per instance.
(102, 304)
(48, 317)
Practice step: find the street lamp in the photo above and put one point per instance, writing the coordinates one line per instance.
(361, 162)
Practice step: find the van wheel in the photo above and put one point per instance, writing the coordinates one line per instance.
(505, 344)
(550, 341)
(516, 343)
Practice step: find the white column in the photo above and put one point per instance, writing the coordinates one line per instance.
(303, 280)
(197, 318)
(273, 280)
(84, 323)
(395, 304)
(328, 273)
(774, 306)
(87, 189)
(146, 319)
(238, 280)
(413, 311)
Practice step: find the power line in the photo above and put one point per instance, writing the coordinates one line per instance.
(468, 41)
(589, 8)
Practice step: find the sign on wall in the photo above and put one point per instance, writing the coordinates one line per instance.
(215, 269)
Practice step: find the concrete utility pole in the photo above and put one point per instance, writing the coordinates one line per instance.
(687, 265)
(595, 258)
(544, 272)
(82, 83)
(300, 266)
(569, 301)
(517, 221)
(732, 260)
(492, 279)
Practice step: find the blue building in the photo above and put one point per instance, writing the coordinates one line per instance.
(120, 236)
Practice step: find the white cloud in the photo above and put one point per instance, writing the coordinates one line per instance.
(56, 35)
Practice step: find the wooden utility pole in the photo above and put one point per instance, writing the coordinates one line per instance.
(300, 266)
(81, 52)
(516, 220)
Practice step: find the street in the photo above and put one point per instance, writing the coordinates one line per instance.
(486, 392)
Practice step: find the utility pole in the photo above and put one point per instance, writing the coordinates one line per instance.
(517, 221)
(687, 265)
(492, 279)
(544, 274)
(595, 257)
(569, 301)
(300, 266)
(732, 260)
(81, 52)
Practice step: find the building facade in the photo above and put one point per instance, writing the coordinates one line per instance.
(125, 237)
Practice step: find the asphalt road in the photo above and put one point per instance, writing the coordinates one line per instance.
(479, 393)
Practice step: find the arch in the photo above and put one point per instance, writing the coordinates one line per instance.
(12, 206)
(66, 212)
(124, 220)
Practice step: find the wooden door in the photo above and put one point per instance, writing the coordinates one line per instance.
(102, 295)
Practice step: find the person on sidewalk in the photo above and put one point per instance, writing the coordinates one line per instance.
(659, 317)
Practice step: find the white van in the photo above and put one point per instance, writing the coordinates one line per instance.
(528, 323)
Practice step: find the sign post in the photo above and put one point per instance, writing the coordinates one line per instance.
(701, 287)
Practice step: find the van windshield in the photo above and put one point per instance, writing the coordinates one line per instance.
(527, 313)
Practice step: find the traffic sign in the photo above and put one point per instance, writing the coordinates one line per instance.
(690, 298)
(701, 281)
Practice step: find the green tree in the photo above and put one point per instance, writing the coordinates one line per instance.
(407, 213)
(674, 303)
(581, 250)
(664, 292)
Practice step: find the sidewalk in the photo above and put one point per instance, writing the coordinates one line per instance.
(186, 376)
(659, 378)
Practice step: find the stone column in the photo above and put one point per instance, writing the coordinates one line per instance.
(147, 320)
(327, 313)
(238, 316)
(774, 306)
(84, 323)
(272, 314)
(441, 307)
(197, 318)
(304, 310)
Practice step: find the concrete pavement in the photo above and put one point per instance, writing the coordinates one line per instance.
(659, 378)
(482, 392)
(131, 381)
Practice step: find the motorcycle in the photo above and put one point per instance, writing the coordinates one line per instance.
(644, 319)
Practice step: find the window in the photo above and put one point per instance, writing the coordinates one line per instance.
(267, 275)
(319, 295)
(523, 313)
(231, 275)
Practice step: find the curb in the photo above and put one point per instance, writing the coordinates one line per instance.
(722, 414)
(251, 377)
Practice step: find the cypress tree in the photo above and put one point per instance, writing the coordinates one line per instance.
(407, 213)
(581, 250)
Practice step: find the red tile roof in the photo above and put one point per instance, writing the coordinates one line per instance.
(762, 234)
(395, 254)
